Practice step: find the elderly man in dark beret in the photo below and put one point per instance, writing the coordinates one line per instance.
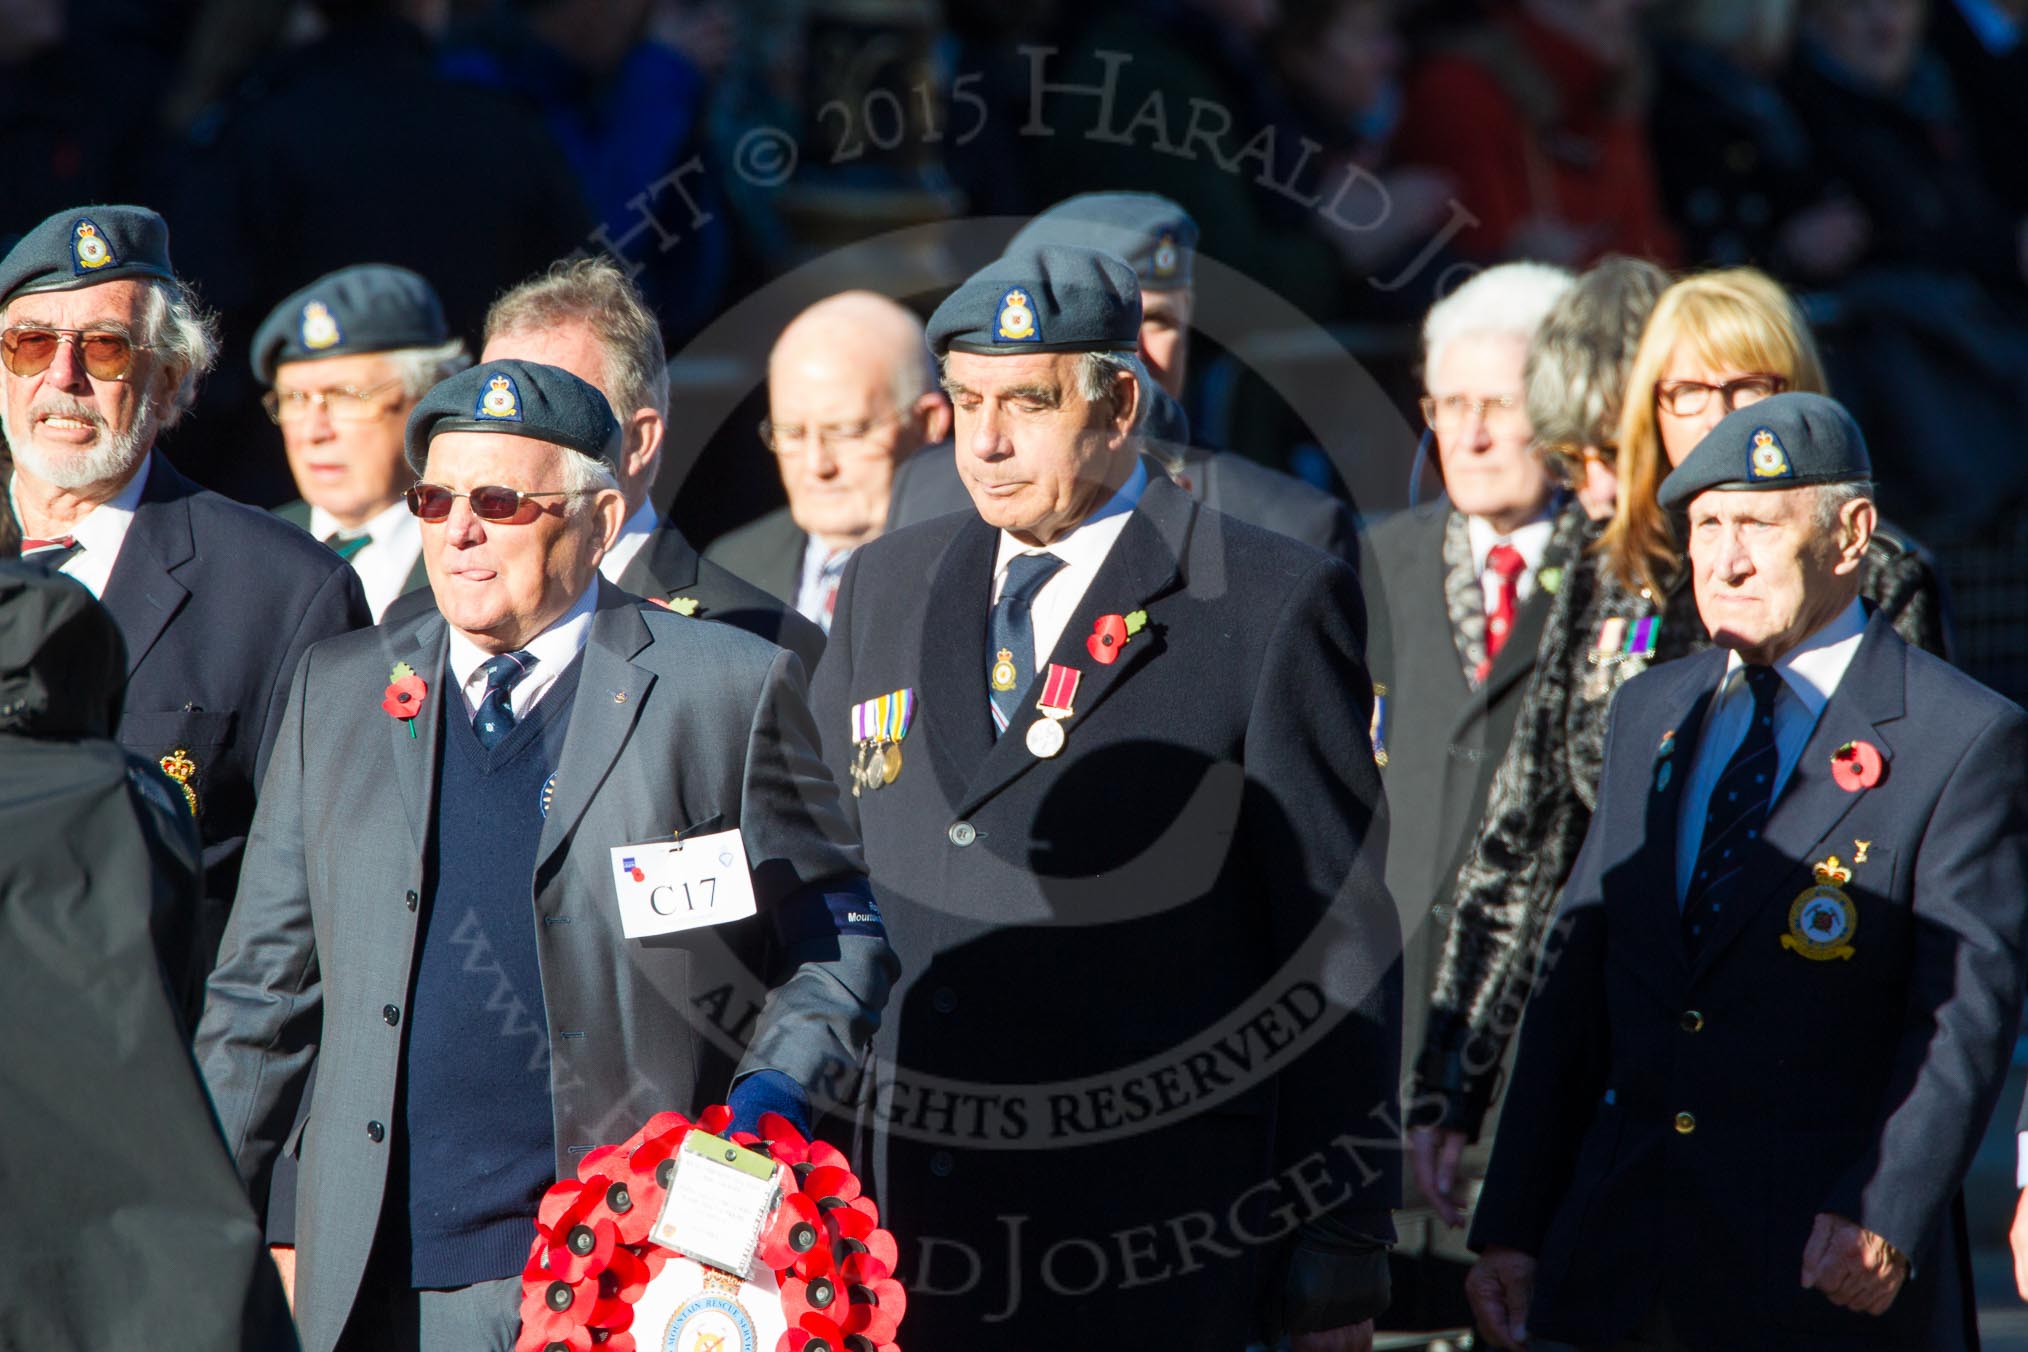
(346, 358)
(442, 772)
(1782, 993)
(1113, 775)
(103, 347)
(1157, 239)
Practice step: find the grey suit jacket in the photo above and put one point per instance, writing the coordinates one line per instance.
(678, 726)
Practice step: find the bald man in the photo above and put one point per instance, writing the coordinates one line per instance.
(851, 395)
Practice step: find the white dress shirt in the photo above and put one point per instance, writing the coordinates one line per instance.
(1082, 550)
(554, 649)
(1530, 541)
(1809, 677)
(810, 580)
(99, 532)
(394, 543)
(633, 536)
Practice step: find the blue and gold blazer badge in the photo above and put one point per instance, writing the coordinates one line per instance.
(500, 400)
(88, 248)
(1768, 460)
(320, 327)
(1016, 323)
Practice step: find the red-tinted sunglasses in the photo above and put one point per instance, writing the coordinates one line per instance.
(432, 502)
(28, 349)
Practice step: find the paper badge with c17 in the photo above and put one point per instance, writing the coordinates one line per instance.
(1823, 919)
(878, 727)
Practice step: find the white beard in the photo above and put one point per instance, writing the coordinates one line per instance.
(110, 459)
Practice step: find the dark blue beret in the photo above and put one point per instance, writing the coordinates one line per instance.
(373, 307)
(1056, 298)
(520, 398)
(1155, 236)
(85, 246)
(1784, 441)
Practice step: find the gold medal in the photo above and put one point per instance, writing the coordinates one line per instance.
(890, 763)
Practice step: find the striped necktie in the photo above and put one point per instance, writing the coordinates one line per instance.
(1011, 628)
(1736, 813)
(51, 554)
(495, 718)
(346, 546)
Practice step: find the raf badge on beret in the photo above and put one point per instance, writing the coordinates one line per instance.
(1768, 459)
(500, 400)
(320, 327)
(1017, 319)
(88, 249)
(1165, 256)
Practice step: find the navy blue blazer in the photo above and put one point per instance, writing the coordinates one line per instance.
(1674, 1128)
(216, 602)
(1077, 933)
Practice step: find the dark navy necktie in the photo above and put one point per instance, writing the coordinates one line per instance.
(495, 718)
(1012, 631)
(1736, 813)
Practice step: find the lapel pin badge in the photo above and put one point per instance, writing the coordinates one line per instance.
(1856, 766)
(1823, 919)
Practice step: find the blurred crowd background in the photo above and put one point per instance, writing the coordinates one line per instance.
(1348, 161)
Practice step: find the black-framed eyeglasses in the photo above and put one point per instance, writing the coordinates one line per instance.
(1688, 398)
(490, 502)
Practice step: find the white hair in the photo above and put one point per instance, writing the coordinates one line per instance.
(184, 335)
(584, 475)
(1510, 300)
(422, 369)
(1831, 499)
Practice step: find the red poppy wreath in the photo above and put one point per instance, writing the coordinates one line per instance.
(822, 1277)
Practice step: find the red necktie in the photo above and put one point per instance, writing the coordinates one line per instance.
(1506, 562)
(29, 546)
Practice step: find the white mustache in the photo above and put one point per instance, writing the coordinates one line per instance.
(68, 408)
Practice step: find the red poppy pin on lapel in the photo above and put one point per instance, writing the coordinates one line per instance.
(1856, 766)
(403, 698)
(1110, 633)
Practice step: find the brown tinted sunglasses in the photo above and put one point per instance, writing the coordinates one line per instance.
(107, 354)
(510, 506)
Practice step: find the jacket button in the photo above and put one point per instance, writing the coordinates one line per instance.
(1685, 1124)
(941, 1164)
(411, 899)
(392, 1013)
(375, 1132)
(945, 1000)
(963, 834)
(1693, 1022)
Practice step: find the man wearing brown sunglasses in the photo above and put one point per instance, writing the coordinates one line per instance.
(432, 921)
(103, 347)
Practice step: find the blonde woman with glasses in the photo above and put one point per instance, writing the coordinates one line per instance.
(1715, 342)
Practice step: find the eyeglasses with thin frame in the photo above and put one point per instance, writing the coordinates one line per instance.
(107, 354)
(345, 404)
(1502, 414)
(1568, 461)
(789, 439)
(490, 502)
(1688, 398)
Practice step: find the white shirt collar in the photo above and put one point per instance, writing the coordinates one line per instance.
(1085, 545)
(101, 531)
(1532, 540)
(633, 536)
(554, 649)
(394, 543)
(1813, 669)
